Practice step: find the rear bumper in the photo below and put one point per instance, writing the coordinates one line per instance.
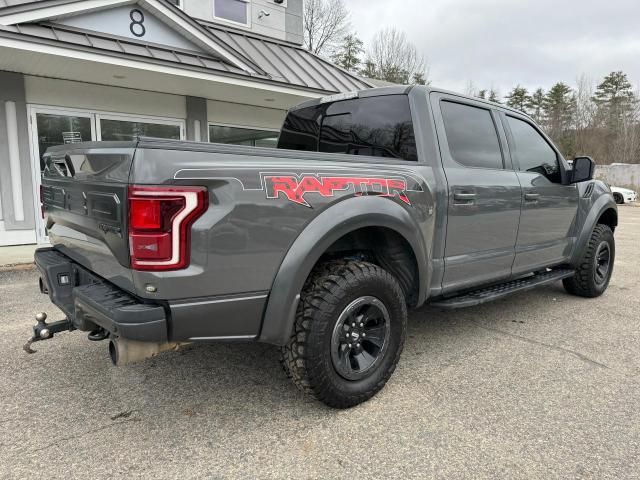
(89, 301)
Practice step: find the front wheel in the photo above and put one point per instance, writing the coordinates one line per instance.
(619, 199)
(596, 266)
(348, 335)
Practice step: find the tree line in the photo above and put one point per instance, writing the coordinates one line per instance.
(601, 119)
(390, 57)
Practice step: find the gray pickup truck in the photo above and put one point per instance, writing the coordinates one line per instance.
(374, 203)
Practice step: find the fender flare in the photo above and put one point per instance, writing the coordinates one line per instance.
(332, 224)
(601, 205)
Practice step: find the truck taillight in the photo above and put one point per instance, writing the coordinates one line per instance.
(160, 220)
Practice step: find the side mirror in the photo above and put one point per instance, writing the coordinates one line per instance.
(583, 169)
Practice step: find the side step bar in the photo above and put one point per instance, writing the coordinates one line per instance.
(494, 292)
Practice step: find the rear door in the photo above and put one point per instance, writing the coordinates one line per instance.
(484, 193)
(549, 208)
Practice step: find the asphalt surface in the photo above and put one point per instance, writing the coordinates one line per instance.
(539, 385)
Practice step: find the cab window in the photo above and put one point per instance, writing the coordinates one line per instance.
(532, 152)
(471, 135)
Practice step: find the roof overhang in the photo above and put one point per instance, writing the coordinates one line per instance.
(39, 58)
(51, 10)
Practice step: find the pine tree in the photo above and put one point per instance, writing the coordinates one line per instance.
(482, 94)
(348, 54)
(420, 79)
(559, 107)
(519, 99)
(369, 70)
(535, 105)
(617, 118)
(615, 99)
(493, 96)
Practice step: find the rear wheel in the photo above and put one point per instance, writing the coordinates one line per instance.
(348, 335)
(596, 266)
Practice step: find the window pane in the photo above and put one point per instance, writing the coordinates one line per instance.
(60, 129)
(242, 136)
(118, 130)
(472, 136)
(380, 127)
(234, 10)
(532, 151)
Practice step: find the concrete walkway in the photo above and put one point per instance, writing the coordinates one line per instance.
(18, 255)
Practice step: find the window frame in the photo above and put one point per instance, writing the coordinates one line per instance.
(248, 4)
(243, 127)
(500, 134)
(128, 117)
(514, 149)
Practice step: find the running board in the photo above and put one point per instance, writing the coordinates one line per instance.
(489, 294)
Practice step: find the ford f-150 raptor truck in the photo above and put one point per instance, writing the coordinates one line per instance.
(373, 203)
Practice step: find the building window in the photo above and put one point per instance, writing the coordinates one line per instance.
(243, 136)
(121, 130)
(236, 11)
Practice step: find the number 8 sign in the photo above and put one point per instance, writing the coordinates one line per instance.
(137, 23)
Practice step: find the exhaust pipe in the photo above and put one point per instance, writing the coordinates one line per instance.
(125, 352)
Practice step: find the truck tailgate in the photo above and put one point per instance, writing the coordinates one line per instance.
(84, 197)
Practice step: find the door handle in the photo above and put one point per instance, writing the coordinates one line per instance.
(531, 197)
(461, 198)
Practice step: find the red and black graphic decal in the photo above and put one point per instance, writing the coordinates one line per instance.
(295, 188)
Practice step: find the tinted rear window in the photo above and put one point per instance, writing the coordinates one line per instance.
(377, 126)
(472, 136)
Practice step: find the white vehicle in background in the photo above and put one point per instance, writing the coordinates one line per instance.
(623, 195)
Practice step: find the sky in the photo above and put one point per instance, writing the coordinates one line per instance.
(502, 43)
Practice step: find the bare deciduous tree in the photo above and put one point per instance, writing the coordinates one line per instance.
(391, 57)
(326, 23)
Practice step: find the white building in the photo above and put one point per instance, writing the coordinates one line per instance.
(210, 70)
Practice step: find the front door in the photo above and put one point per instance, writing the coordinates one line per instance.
(484, 194)
(549, 208)
(50, 127)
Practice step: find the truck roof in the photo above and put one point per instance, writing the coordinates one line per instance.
(398, 90)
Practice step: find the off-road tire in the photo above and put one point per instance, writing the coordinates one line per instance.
(330, 289)
(584, 283)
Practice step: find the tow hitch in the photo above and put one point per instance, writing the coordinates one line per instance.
(44, 331)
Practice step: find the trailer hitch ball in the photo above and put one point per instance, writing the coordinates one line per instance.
(44, 331)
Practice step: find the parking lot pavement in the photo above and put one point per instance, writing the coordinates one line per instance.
(539, 385)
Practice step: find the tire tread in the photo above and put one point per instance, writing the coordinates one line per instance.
(319, 296)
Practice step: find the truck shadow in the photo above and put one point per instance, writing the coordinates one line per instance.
(245, 380)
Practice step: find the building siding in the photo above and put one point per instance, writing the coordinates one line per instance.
(13, 91)
(225, 113)
(64, 93)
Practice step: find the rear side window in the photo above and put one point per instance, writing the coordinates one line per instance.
(377, 126)
(533, 152)
(472, 135)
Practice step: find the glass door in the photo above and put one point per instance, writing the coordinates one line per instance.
(50, 127)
